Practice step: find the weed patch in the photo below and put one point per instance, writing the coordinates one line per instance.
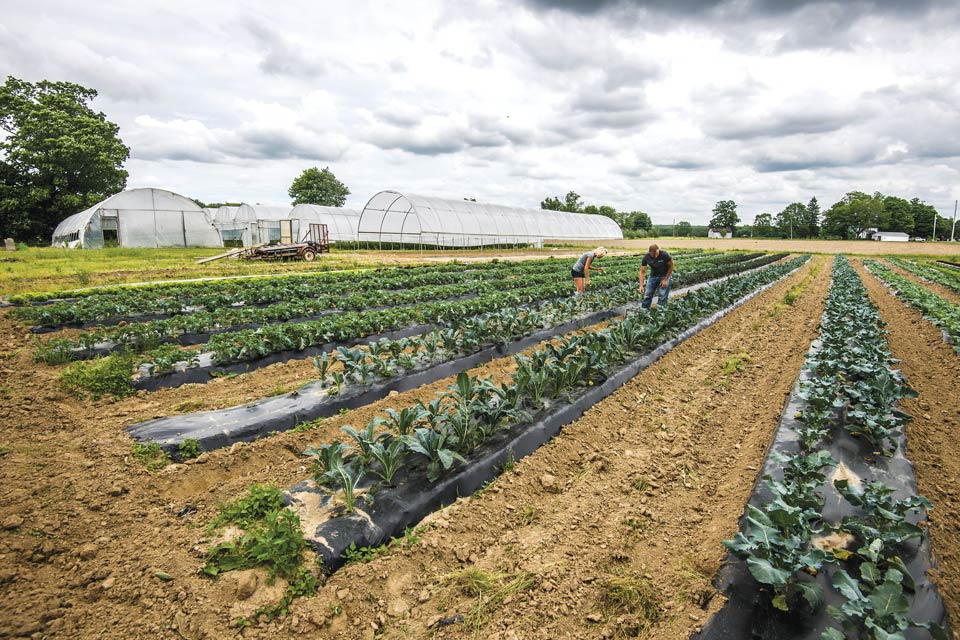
(100, 377)
(151, 456)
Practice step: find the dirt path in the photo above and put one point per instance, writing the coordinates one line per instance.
(933, 370)
(939, 289)
(84, 528)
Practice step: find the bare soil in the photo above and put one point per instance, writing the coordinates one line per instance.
(642, 489)
(933, 370)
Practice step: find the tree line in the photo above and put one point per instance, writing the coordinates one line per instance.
(635, 224)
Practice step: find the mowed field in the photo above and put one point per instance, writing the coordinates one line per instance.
(612, 529)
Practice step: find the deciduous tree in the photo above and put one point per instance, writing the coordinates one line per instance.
(315, 186)
(57, 156)
(725, 215)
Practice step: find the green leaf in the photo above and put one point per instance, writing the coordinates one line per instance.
(832, 634)
(847, 586)
(766, 573)
(812, 593)
(888, 599)
(870, 572)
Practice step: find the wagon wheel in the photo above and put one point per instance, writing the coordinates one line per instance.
(308, 254)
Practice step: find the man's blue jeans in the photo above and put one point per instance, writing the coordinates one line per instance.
(653, 285)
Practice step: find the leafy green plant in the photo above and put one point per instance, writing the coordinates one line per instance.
(259, 501)
(876, 607)
(390, 458)
(189, 448)
(104, 376)
(433, 446)
(150, 455)
(326, 458)
(348, 477)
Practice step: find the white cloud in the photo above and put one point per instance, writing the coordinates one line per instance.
(661, 106)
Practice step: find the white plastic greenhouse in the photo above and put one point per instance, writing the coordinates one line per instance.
(248, 224)
(392, 217)
(342, 224)
(147, 218)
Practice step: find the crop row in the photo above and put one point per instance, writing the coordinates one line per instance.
(849, 386)
(253, 344)
(194, 328)
(428, 439)
(949, 278)
(942, 313)
(133, 302)
(187, 328)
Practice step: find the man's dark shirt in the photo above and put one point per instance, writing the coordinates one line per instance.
(659, 265)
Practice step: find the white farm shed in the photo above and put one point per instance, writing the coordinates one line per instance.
(719, 233)
(891, 236)
(342, 224)
(406, 218)
(138, 218)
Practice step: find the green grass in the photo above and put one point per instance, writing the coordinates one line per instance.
(100, 377)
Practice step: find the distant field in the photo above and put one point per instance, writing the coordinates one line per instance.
(852, 247)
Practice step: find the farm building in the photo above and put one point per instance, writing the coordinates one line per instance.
(395, 217)
(891, 236)
(719, 233)
(138, 218)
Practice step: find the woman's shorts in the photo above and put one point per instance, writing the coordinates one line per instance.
(576, 274)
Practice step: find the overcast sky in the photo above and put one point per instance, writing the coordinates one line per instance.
(663, 106)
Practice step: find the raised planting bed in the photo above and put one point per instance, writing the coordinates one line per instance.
(927, 271)
(248, 350)
(433, 453)
(398, 365)
(831, 545)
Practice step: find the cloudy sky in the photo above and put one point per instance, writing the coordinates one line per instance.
(659, 105)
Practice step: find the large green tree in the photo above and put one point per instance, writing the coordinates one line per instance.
(898, 215)
(315, 186)
(763, 225)
(852, 214)
(790, 222)
(923, 217)
(725, 216)
(57, 156)
(684, 229)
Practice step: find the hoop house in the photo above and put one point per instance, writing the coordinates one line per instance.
(395, 217)
(342, 224)
(141, 218)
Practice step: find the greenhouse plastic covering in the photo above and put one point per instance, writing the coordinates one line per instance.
(342, 224)
(146, 218)
(395, 217)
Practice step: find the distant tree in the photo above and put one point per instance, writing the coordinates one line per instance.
(57, 156)
(725, 216)
(637, 221)
(898, 215)
(811, 219)
(790, 221)
(551, 204)
(314, 186)
(684, 229)
(572, 202)
(853, 214)
(763, 225)
(923, 217)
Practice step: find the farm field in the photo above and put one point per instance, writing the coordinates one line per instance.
(614, 528)
(849, 247)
